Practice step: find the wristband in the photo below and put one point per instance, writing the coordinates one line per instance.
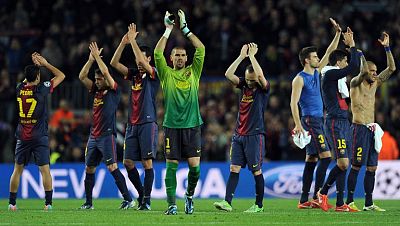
(167, 32)
(387, 48)
(186, 31)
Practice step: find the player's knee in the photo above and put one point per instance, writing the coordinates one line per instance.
(112, 167)
(194, 161)
(147, 164)
(343, 165)
(371, 168)
(235, 169)
(357, 168)
(325, 154)
(129, 164)
(311, 158)
(18, 169)
(90, 169)
(45, 169)
(257, 172)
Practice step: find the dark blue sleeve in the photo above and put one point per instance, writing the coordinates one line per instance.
(45, 87)
(352, 68)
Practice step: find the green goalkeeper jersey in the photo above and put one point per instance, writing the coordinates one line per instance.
(180, 89)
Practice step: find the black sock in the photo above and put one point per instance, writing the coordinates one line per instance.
(259, 179)
(134, 177)
(49, 197)
(13, 198)
(148, 184)
(369, 182)
(89, 184)
(120, 182)
(340, 181)
(233, 181)
(331, 179)
(351, 185)
(308, 174)
(320, 174)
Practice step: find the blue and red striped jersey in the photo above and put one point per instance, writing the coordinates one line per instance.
(105, 106)
(142, 100)
(33, 112)
(252, 103)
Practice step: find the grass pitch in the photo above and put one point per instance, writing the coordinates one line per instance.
(277, 212)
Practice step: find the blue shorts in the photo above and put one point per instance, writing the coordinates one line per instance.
(141, 141)
(101, 148)
(338, 135)
(248, 150)
(315, 127)
(38, 147)
(363, 148)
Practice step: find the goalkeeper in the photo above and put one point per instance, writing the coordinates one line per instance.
(182, 120)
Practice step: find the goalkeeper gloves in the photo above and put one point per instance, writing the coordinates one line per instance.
(183, 25)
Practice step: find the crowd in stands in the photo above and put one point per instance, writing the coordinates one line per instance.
(62, 29)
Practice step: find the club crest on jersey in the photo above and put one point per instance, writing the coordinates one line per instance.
(187, 74)
(47, 84)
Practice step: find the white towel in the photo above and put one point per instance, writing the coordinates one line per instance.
(378, 134)
(301, 139)
(342, 86)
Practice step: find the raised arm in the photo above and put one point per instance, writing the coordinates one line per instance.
(356, 81)
(297, 86)
(58, 75)
(336, 74)
(186, 32)
(140, 58)
(169, 25)
(256, 66)
(230, 72)
(391, 66)
(83, 75)
(354, 63)
(334, 44)
(94, 50)
(115, 61)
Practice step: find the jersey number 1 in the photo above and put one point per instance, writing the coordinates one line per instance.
(33, 103)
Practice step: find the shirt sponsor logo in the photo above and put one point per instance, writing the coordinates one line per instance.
(182, 85)
(137, 86)
(97, 102)
(247, 99)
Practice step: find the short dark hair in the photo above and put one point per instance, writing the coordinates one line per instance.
(31, 72)
(336, 55)
(146, 50)
(305, 53)
(250, 68)
(177, 47)
(98, 71)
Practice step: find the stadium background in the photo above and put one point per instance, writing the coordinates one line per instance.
(61, 30)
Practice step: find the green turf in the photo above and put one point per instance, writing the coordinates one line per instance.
(277, 212)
